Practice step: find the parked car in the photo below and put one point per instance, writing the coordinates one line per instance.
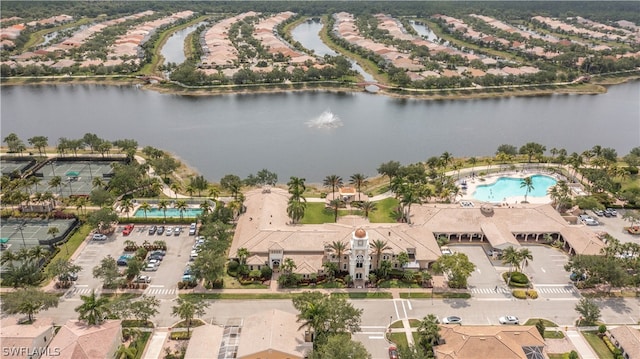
(509, 319)
(127, 229)
(611, 211)
(452, 320)
(194, 255)
(124, 259)
(143, 279)
(151, 267)
(176, 231)
(187, 270)
(169, 231)
(99, 237)
(393, 352)
(156, 256)
(152, 230)
(588, 220)
(187, 278)
(598, 212)
(158, 252)
(494, 253)
(193, 229)
(445, 251)
(575, 277)
(68, 277)
(160, 230)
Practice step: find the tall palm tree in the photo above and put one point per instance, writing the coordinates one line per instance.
(527, 183)
(126, 206)
(333, 182)
(472, 161)
(190, 190)
(156, 186)
(429, 333)
(525, 256)
(182, 206)
(358, 180)
(296, 188)
(379, 246)
(368, 207)
(94, 309)
(335, 207)
(145, 207)
(81, 202)
(242, 254)
(175, 187)
(37, 253)
(296, 209)
(205, 206)
(162, 205)
(288, 266)
(511, 257)
(56, 181)
(97, 182)
(338, 248)
(7, 257)
(214, 193)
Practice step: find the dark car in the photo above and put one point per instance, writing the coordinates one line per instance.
(152, 230)
(160, 230)
(393, 352)
(611, 212)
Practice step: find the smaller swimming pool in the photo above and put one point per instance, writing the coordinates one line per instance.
(506, 187)
(171, 212)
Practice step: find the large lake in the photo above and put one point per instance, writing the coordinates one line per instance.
(315, 134)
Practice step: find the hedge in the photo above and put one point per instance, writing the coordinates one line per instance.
(519, 293)
(532, 294)
(157, 220)
(182, 335)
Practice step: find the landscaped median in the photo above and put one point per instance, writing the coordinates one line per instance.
(290, 295)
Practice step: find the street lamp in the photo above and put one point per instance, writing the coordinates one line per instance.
(20, 227)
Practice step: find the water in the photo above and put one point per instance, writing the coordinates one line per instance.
(327, 119)
(307, 33)
(242, 134)
(173, 49)
(506, 187)
(171, 212)
(424, 31)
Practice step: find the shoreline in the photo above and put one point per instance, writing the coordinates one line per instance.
(594, 88)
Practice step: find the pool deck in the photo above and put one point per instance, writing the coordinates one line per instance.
(474, 182)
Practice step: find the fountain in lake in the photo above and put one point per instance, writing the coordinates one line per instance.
(326, 120)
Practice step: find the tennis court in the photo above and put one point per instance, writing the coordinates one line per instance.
(77, 176)
(18, 233)
(14, 166)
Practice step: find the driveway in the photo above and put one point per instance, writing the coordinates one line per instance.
(485, 281)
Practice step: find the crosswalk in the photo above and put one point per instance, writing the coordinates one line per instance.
(151, 290)
(549, 289)
(79, 290)
(500, 290)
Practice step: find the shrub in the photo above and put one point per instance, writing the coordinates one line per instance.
(266, 272)
(532, 294)
(612, 348)
(519, 293)
(520, 278)
(233, 266)
(180, 335)
(602, 329)
(180, 285)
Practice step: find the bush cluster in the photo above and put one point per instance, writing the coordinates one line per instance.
(180, 336)
(519, 293)
(533, 294)
(612, 348)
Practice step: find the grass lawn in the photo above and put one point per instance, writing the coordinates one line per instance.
(242, 296)
(121, 296)
(552, 334)
(233, 283)
(397, 324)
(598, 345)
(547, 323)
(316, 214)
(414, 323)
(399, 339)
(559, 356)
(397, 283)
(67, 249)
(383, 213)
(140, 344)
(364, 295)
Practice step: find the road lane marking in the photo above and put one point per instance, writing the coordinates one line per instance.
(542, 269)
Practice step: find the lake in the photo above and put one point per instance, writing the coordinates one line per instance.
(315, 134)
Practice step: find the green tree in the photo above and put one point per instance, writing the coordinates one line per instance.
(532, 149)
(209, 265)
(62, 268)
(199, 183)
(145, 207)
(127, 205)
(338, 248)
(368, 207)
(358, 180)
(333, 182)
(389, 169)
(188, 309)
(511, 256)
(144, 308)
(296, 209)
(527, 183)
(182, 206)
(107, 270)
(242, 254)
(134, 267)
(231, 183)
(102, 219)
(56, 181)
(456, 267)
(162, 205)
(403, 259)
(335, 205)
(339, 347)
(40, 143)
(379, 246)
(28, 301)
(589, 311)
(94, 309)
(429, 333)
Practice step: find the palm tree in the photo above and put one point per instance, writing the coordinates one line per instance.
(205, 206)
(190, 190)
(214, 193)
(7, 257)
(335, 207)
(37, 253)
(338, 248)
(126, 206)
(358, 180)
(162, 205)
(175, 187)
(368, 207)
(333, 181)
(94, 309)
(97, 182)
(472, 161)
(182, 206)
(145, 207)
(527, 183)
(188, 309)
(512, 257)
(56, 181)
(156, 186)
(242, 254)
(288, 266)
(525, 256)
(379, 246)
(429, 333)
(81, 202)
(295, 210)
(297, 188)
(410, 194)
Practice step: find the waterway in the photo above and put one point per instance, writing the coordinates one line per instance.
(173, 49)
(308, 34)
(315, 134)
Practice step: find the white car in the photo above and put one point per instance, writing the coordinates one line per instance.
(143, 279)
(509, 319)
(99, 237)
(168, 231)
(151, 267)
(452, 320)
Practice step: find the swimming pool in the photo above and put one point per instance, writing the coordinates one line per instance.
(506, 187)
(171, 212)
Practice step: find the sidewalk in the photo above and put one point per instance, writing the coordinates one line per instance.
(582, 347)
(156, 343)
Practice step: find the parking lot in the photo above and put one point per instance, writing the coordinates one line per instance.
(163, 281)
(614, 226)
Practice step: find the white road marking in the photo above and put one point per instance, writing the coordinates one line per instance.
(479, 271)
(409, 304)
(404, 310)
(380, 337)
(542, 269)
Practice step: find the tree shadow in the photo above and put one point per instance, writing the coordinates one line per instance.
(618, 305)
(457, 303)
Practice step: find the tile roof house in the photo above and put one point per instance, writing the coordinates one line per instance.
(26, 340)
(504, 342)
(627, 339)
(272, 334)
(77, 340)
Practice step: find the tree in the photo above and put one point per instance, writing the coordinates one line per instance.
(326, 315)
(456, 267)
(144, 308)
(368, 207)
(358, 180)
(56, 181)
(28, 301)
(540, 327)
(40, 143)
(532, 149)
(187, 309)
(182, 206)
(126, 206)
(61, 268)
(162, 205)
(296, 209)
(288, 266)
(403, 259)
(242, 254)
(94, 309)
(527, 183)
(205, 206)
(231, 183)
(389, 169)
(525, 256)
(134, 267)
(107, 271)
(511, 256)
(335, 205)
(102, 219)
(333, 182)
(296, 188)
(339, 347)
(589, 312)
(199, 183)
(509, 150)
(175, 187)
(379, 246)
(209, 265)
(338, 248)
(429, 333)
(145, 207)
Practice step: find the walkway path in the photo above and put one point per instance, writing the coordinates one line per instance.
(154, 348)
(582, 347)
